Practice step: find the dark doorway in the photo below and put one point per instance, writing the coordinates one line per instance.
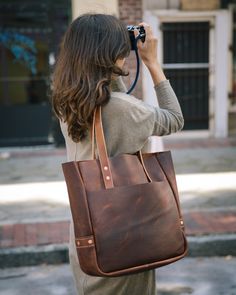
(186, 64)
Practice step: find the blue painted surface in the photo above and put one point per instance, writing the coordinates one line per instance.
(22, 47)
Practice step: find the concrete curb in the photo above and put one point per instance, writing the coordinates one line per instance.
(34, 255)
(212, 245)
(201, 246)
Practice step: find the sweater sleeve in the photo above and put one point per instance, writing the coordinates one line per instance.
(168, 117)
(165, 119)
(128, 121)
(159, 120)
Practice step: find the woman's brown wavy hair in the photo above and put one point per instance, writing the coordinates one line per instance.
(85, 67)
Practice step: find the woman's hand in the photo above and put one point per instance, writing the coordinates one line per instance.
(148, 54)
(148, 49)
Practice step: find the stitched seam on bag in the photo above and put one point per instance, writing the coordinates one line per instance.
(85, 246)
(86, 203)
(84, 238)
(172, 189)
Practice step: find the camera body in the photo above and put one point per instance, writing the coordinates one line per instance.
(140, 36)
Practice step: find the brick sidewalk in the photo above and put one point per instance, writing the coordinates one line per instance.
(38, 234)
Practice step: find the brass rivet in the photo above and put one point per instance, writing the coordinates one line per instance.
(108, 177)
(181, 222)
(90, 242)
(78, 243)
(105, 168)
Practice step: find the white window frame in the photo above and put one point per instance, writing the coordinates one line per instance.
(219, 61)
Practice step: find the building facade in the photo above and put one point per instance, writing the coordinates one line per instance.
(197, 48)
(29, 37)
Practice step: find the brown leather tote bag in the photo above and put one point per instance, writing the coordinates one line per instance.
(125, 210)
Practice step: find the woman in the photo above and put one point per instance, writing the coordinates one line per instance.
(90, 63)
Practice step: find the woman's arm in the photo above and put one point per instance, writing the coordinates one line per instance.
(168, 117)
(148, 54)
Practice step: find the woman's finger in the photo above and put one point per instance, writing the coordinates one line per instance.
(136, 33)
(144, 24)
(148, 30)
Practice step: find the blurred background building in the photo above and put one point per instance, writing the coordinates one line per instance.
(197, 48)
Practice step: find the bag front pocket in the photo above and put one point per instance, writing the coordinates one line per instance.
(127, 220)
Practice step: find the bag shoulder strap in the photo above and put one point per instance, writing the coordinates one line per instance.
(97, 128)
(102, 150)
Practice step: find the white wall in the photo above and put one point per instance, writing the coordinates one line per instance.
(97, 6)
(155, 143)
(218, 59)
(222, 39)
(161, 4)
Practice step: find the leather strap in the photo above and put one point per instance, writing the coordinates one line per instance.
(97, 128)
(102, 151)
(92, 136)
(144, 168)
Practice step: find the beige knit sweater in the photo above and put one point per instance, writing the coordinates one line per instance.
(127, 123)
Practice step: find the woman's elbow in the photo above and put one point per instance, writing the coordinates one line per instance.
(179, 124)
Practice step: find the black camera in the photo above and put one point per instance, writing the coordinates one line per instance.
(140, 36)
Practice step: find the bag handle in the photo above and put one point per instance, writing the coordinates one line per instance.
(102, 150)
(92, 135)
(97, 128)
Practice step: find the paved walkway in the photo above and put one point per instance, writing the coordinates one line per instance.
(204, 276)
(34, 208)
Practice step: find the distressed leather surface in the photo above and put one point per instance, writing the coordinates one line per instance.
(135, 225)
(128, 224)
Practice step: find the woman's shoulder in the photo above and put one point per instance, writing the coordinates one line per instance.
(122, 97)
(126, 111)
(126, 102)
